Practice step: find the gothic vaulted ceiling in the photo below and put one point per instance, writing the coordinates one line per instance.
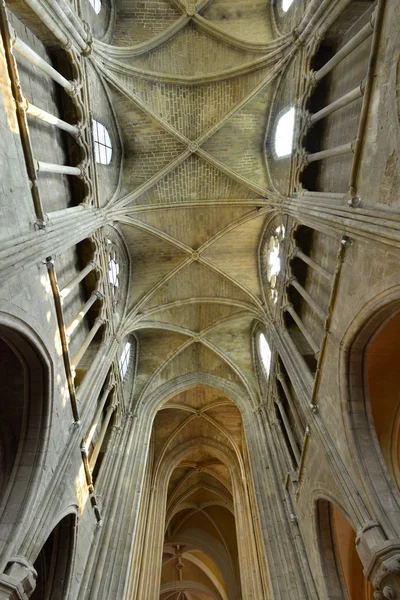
(191, 85)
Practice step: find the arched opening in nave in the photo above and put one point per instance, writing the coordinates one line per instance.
(54, 561)
(23, 418)
(12, 407)
(200, 512)
(381, 385)
(342, 568)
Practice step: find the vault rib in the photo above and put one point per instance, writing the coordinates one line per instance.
(244, 289)
(225, 301)
(233, 225)
(144, 47)
(232, 365)
(201, 203)
(173, 505)
(122, 68)
(122, 202)
(154, 231)
(177, 329)
(169, 358)
(153, 290)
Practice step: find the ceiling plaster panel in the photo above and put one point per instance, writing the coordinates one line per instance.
(155, 347)
(195, 317)
(236, 254)
(152, 259)
(196, 358)
(192, 52)
(193, 109)
(139, 21)
(234, 340)
(194, 180)
(197, 281)
(239, 144)
(245, 20)
(196, 225)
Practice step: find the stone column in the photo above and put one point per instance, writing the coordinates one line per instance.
(18, 581)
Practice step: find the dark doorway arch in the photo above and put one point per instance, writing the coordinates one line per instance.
(342, 568)
(54, 562)
(24, 414)
(381, 364)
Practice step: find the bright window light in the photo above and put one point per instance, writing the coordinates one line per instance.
(102, 144)
(286, 4)
(265, 352)
(96, 5)
(113, 270)
(273, 260)
(284, 134)
(124, 360)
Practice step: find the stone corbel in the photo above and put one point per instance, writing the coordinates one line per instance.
(381, 560)
(89, 42)
(19, 579)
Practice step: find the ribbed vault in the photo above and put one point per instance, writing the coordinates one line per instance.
(199, 455)
(192, 86)
(192, 98)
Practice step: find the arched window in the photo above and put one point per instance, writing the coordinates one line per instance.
(113, 268)
(273, 260)
(286, 4)
(96, 5)
(265, 353)
(124, 360)
(102, 143)
(284, 133)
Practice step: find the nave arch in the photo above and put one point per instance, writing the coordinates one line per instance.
(368, 372)
(341, 566)
(26, 386)
(200, 521)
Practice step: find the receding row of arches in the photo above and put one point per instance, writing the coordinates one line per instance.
(375, 404)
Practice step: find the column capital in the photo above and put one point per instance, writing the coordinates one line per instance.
(19, 579)
(381, 560)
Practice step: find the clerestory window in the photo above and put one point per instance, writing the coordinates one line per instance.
(286, 4)
(124, 360)
(96, 5)
(113, 269)
(284, 133)
(265, 353)
(102, 143)
(273, 260)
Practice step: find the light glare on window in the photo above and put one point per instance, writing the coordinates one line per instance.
(284, 134)
(102, 144)
(286, 4)
(124, 360)
(265, 352)
(96, 5)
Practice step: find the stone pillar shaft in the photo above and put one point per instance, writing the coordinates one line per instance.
(39, 113)
(100, 439)
(44, 66)
(311, 263)
(289, 431)
(71, 285)
(308, 298)
(358, 39)
(86, 343)
(303, 329)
